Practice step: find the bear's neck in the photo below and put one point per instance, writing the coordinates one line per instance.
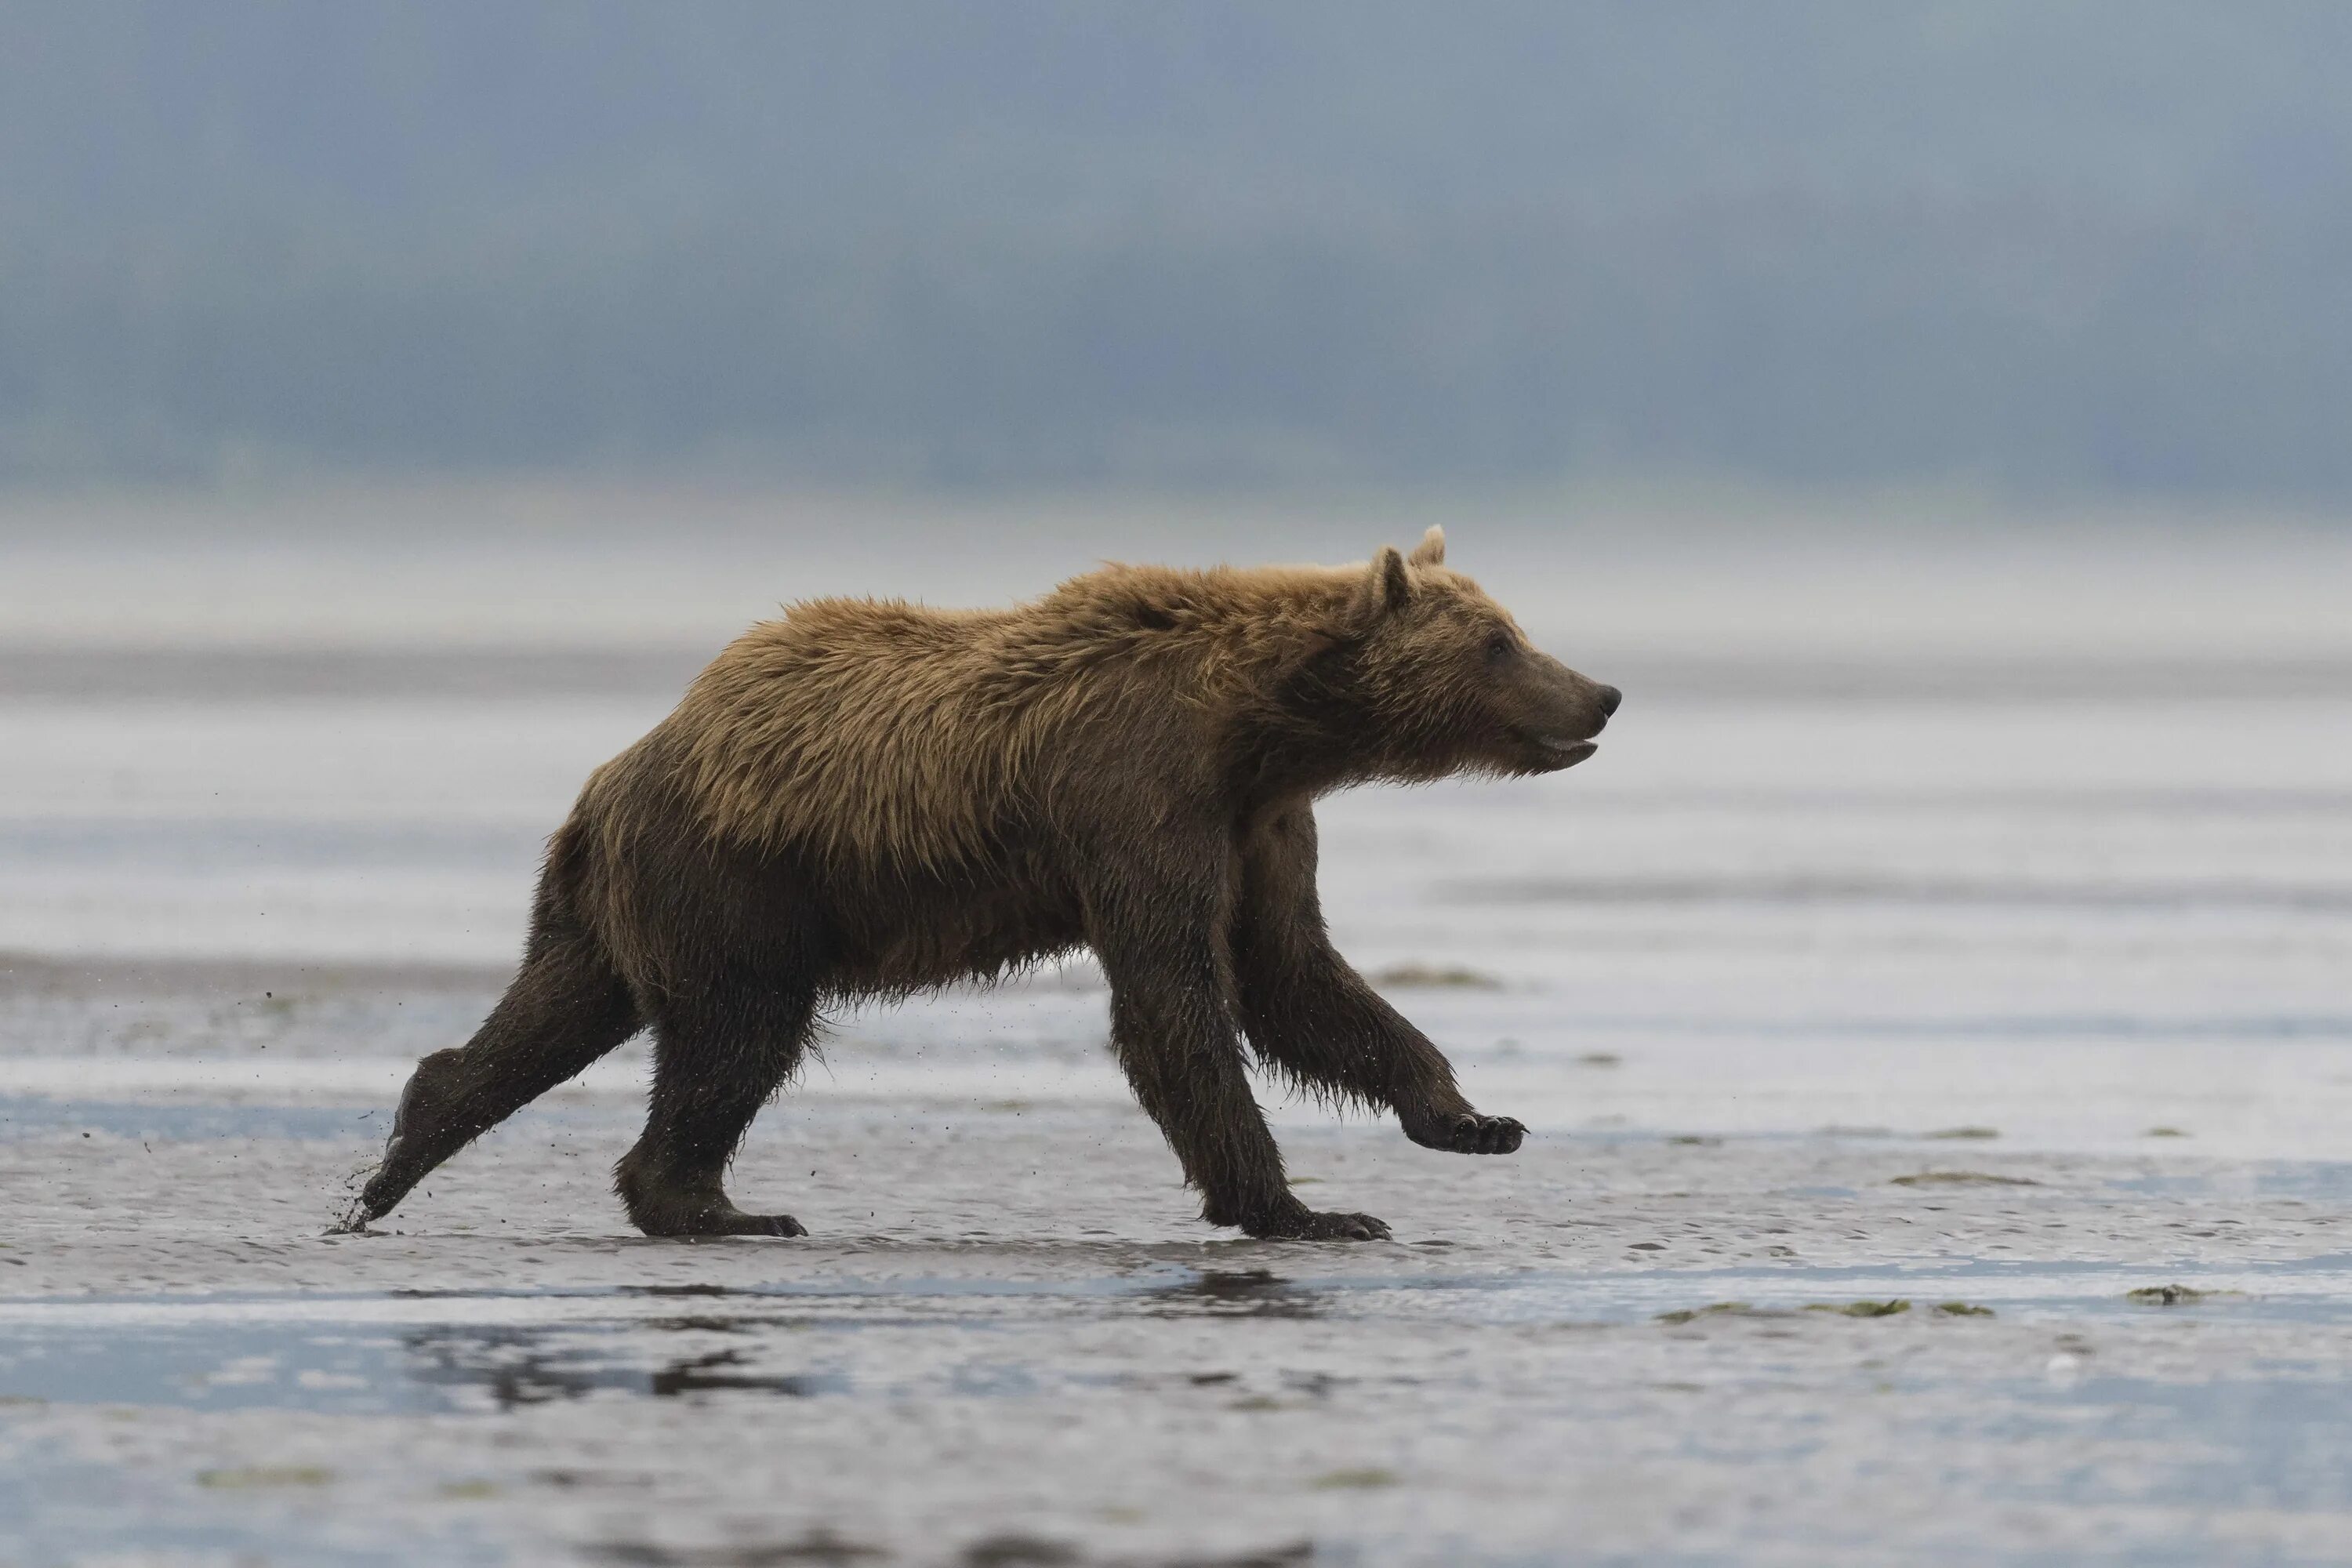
(1309, 734)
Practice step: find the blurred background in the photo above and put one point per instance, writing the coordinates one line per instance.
(1933, 416)
(2094, 248)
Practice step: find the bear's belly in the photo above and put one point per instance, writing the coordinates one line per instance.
(940, 934)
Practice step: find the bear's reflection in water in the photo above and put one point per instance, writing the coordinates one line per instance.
(1236, 1292)
(517, 1366)
(535, 1365)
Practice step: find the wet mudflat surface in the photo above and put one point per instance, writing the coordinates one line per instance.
(1007, 1342)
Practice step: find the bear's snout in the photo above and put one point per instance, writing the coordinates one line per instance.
(1553, 712)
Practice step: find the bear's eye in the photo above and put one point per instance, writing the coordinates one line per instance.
(1500, 647)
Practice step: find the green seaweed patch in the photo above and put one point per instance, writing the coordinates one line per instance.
(246, 1477)
(2175, 1295)
(1860, 1308)
(1694, 1141)
(1363, 1480)
(1435, 976)
(1746, 1309)
(469, 1491)
(1962, 1309)
(1711, 1310)
(1965, 1134)
(2164, 1132)
(1962, 1179)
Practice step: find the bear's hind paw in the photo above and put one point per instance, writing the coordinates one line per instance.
(728, 1220)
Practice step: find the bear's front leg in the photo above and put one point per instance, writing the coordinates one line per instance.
(1174, 1029)
(1309, 1012)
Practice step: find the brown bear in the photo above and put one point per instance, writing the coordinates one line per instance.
(868, 798)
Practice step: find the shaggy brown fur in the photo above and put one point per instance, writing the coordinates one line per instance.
(869, 798)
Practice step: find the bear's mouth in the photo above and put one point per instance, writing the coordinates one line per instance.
(1557, 752)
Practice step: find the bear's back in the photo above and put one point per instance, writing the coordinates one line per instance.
(887, 733)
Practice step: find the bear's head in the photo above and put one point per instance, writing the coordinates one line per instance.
(1442, 680)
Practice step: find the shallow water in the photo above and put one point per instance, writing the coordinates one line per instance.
(2019, 984)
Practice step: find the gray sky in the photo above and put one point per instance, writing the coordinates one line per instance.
(2099, 248)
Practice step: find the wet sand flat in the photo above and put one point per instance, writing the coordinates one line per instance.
(1008, 1342)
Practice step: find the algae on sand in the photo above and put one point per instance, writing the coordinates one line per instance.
(1887, 1309)
(1860, 1308)
(1962, 1179)
(1355, 1480)
(1435, 976)
(2175, 1295)
(265, 1475)
(1711, 1310)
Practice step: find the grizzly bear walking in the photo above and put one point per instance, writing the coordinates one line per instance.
(868, 798)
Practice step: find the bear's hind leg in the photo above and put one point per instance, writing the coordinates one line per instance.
(565, 1009)
(720, 1052)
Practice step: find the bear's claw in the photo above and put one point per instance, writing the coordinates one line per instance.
(1305, 1225)
(777, 1225)
(1469, 1133)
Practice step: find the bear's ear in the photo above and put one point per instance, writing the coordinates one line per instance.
(1431, 550)
(1387, 586)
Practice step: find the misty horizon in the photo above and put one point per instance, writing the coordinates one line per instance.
(2084, 250)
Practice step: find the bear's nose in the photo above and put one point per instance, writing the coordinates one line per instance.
(1610, 697)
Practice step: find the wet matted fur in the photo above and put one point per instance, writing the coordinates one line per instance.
(870, 798)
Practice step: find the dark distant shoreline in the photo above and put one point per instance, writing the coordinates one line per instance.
(52, 672)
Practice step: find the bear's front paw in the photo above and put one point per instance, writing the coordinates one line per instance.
(1468, 1133)
(1304, 1225)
